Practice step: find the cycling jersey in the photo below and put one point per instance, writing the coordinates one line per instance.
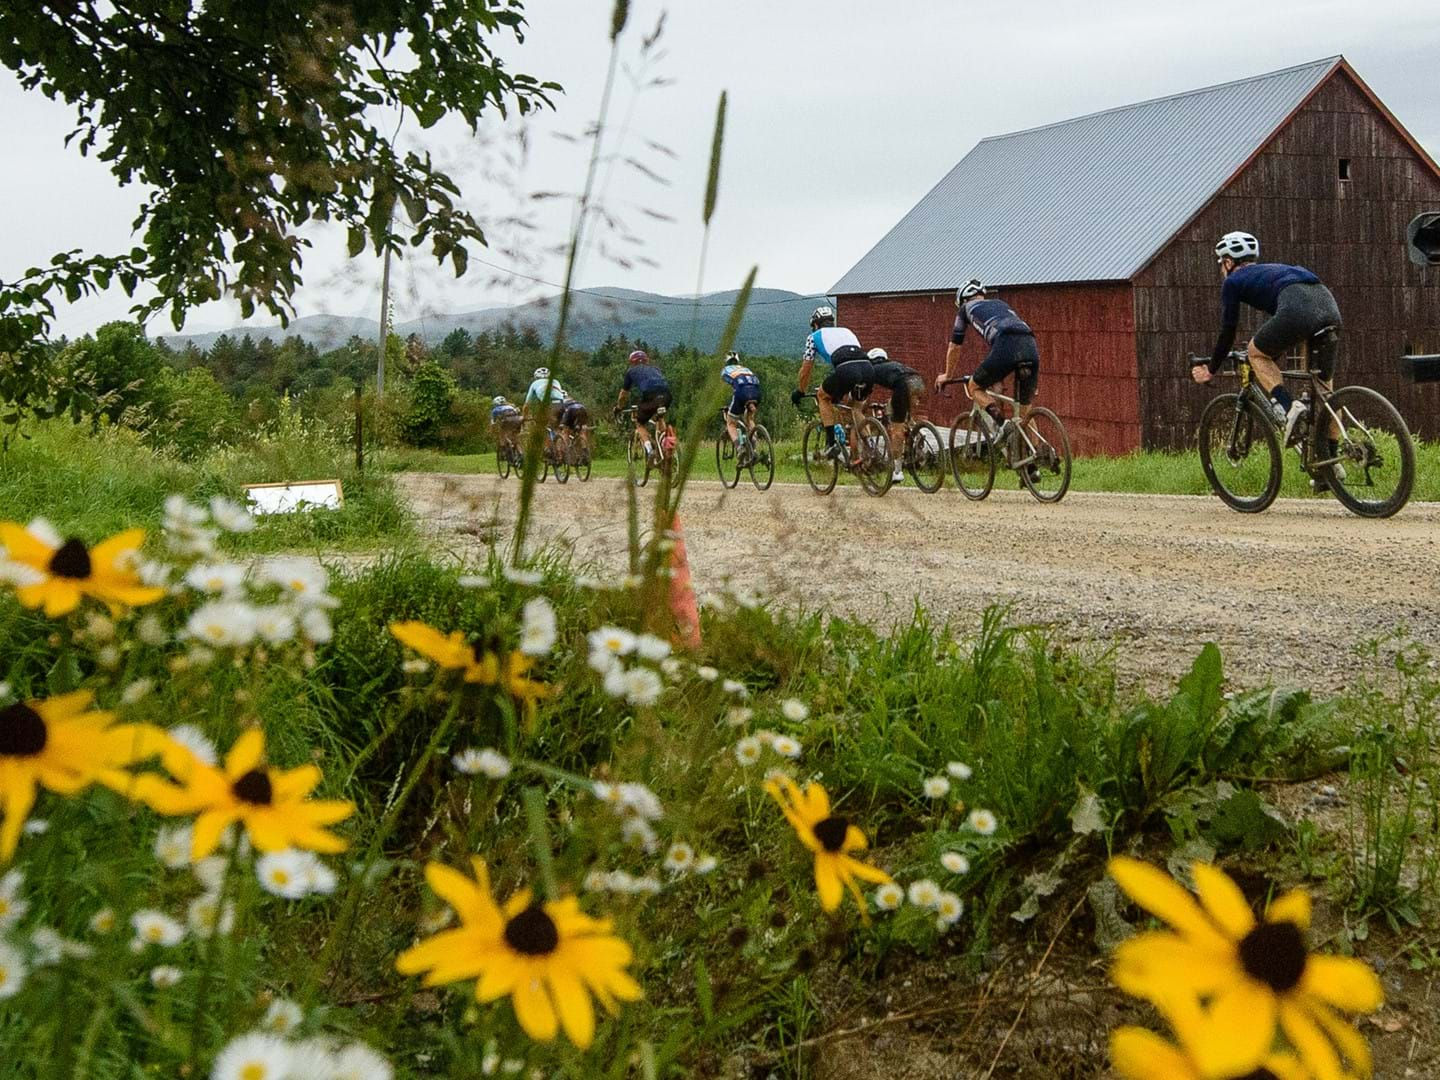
(825, 342)
(738, 375)
(501, 413)
(989, 316)
(537, 392)
(1259, 285)
(891, 374)
(645, 379)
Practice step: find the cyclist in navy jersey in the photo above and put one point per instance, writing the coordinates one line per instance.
(1012, 349)
(1299, 307)
(504, 421)
(851, 374)
(907, 394)
(744, 396)
(652, 392)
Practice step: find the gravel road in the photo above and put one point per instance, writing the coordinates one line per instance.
(1286, 594)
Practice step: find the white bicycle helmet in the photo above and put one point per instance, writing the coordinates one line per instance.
(732, 358)
(877, 354)
(1238, 245)
(499, 399)
(822, 314)
(541, 373)
(969, 289)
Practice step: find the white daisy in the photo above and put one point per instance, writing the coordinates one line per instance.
(179, 513)
(172, 846)
(164, 976)
(223, 624)
(320, 878)
(650, 647)
(936, 787)
(671, 668)
(316, 626)
(284, 873)
(282, 1017)
(924, 893)
(35, 827)
(738, 689)
(785, 746)
(706, 864)
(151, 631)
(642, 686)
(612, 641)
(103, 921)
(218, 579)
(254, 1056)
(959, 770)
(955, 863)
(231, 516)
(679, 858)
(210, 873)
(99, 628)
(487, 761)
(638, 831)
(738, 715)
(155, 928)
(311, 1058)
(275, 624)
(522, 577)
(206, 919)
(747, 750)
(415, 666)
(473, 581)
(648, 885)
(137, 691)
(983, 822)
(358, 1062)
(537, 627)
(949, 908)
(794, 711)
(196, 741)
(108, 657)
(607, 792)
(889, 896)
(5, 691)
(12, 907)
(585, 581)
(639, 800)
(303, 581)
(12, 970)
(614, 681)
(709, 674)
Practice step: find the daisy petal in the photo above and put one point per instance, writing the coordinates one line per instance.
(1238, 1031)
(534, 1009)
(1163, 897)
(577, 1015)
(1310, 1043)
(1223, 900)
(1138, 1054)
(1293, 907)
(1343, 982)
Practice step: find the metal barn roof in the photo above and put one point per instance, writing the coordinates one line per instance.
(1090, 199)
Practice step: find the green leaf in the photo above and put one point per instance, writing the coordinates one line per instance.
(703, 992)
(1247, 821)
(356, 240)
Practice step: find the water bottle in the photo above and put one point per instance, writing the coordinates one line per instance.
(1277, 411)
(840, 435)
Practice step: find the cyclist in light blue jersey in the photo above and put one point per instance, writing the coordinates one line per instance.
(547, 395)
(744, 398)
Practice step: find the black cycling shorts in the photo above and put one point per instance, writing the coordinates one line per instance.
(650, 402)
(1303, 310)
(852, 378)
(1011, 354)
(904, 397)
(574, 416)
(742, 397)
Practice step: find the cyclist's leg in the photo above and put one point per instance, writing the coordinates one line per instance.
(1002, 360)
(731, 412)
(900, 412)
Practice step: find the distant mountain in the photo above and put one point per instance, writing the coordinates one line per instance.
(775, 323)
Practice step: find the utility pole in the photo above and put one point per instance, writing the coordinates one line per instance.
(384, 328)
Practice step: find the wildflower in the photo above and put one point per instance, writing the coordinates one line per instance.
(648, 885)
(670, 667)
(69, 571)
(271, 803)
(480, 661)
(253, 1056)
(205, 917)
(522, 577)
(415, 667)
(709, 674)
(155, 928)
(47, 947)
(738, 715)
(275, 625)
(180, 514)
(889, 896)
(794, 711)
(196, 741)
(487, 761)
(785, 746)
(606, 644)
(137, 691)
(607, 792)
(959, 770)
(282, 1017)
(830, 837)
(103, 921)
(164, 976)
(358, 1062)
(36, 827)
(955, 862)
(924, 893)
(983, 822)
(12, 907)
(231, 516)
(302, 581)
(949, 908)
(650, 647)
(735, 688)
(548, 957)
(210, 872)
(706, 864)
(172, 846)
(614, 681)
(642, 686)
(319, 877)
(537, 628)
(12, 970)
(284, 873)
(679, 858)
(631, 581)
(638, 831)
(1253, 974)
(151, 631)
(586, 581)
(223, 624)
(56, 744)
(219, 579)
(1138, 1054)
(937, 787)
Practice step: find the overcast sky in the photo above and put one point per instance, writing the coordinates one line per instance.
(842, 115)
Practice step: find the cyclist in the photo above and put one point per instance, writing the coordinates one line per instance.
(1299, 307)
(907, 393)
(652, 392)
(504, 422)
(574, 422)
(1012, 349)
(546, 393)
(744, 397)
(851, 374)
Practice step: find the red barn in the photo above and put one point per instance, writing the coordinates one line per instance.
(1100, 232)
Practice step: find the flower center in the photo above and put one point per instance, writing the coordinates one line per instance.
(71, 560)
(831, 833)
(532, 932)
(1274, 954)
(254, 788)
(22, 731)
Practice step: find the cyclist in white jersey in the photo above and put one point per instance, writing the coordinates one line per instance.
(547, 392)
(851, 374)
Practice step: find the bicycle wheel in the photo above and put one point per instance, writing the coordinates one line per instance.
(972, 456)
(925, 457)
(820, 469)
(762, 459)
(580, 466)
(502, 462)
(725, 460)
(639, 460)
(561, 466)
(1044, 438)
(1376, 470)
(877, 466)
(1240, 453)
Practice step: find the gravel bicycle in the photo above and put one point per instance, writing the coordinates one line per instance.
(757, 455)
(1371, 470)
(575, 457)
(1037, 448)
(922, 449)
(662, 442)
(866, 452)
(508, 459)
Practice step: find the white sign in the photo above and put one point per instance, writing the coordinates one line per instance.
(297, 497)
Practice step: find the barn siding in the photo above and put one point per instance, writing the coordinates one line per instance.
(1351, 234)
(1086, 336)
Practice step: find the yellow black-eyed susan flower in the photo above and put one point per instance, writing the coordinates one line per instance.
(272, 804)
(549, 957)
(1138, 1054)
(56, 744)
(483, 662)
(831, 838)
(1250, 975)
(57, 574)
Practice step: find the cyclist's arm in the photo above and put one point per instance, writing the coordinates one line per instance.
(1229, 320)
(952, 357)
(806, 367)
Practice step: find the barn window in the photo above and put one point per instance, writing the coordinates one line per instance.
(1344, 169)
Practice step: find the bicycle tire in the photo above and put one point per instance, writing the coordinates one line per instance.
(502, 462)
(581, 466)
(822, 472)
(925, 457)
(544, 466)
(1366, 451)
(762, 462)
(561, 467)
(877, 465)
(1055, 457)
(639, 460)
(972, 456)
(1234, 426)
(725, 455)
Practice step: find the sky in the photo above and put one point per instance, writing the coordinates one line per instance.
(841, 117)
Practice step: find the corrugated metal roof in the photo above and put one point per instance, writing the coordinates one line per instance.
(1090, 199)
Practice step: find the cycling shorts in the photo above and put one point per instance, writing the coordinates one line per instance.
(742, 397)
(1011, 354)
(650, 402)
(904, 398)
(574, 416)
(1303, 310)
(851, 378)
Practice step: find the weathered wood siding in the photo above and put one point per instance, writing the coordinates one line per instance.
(1350, 233)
